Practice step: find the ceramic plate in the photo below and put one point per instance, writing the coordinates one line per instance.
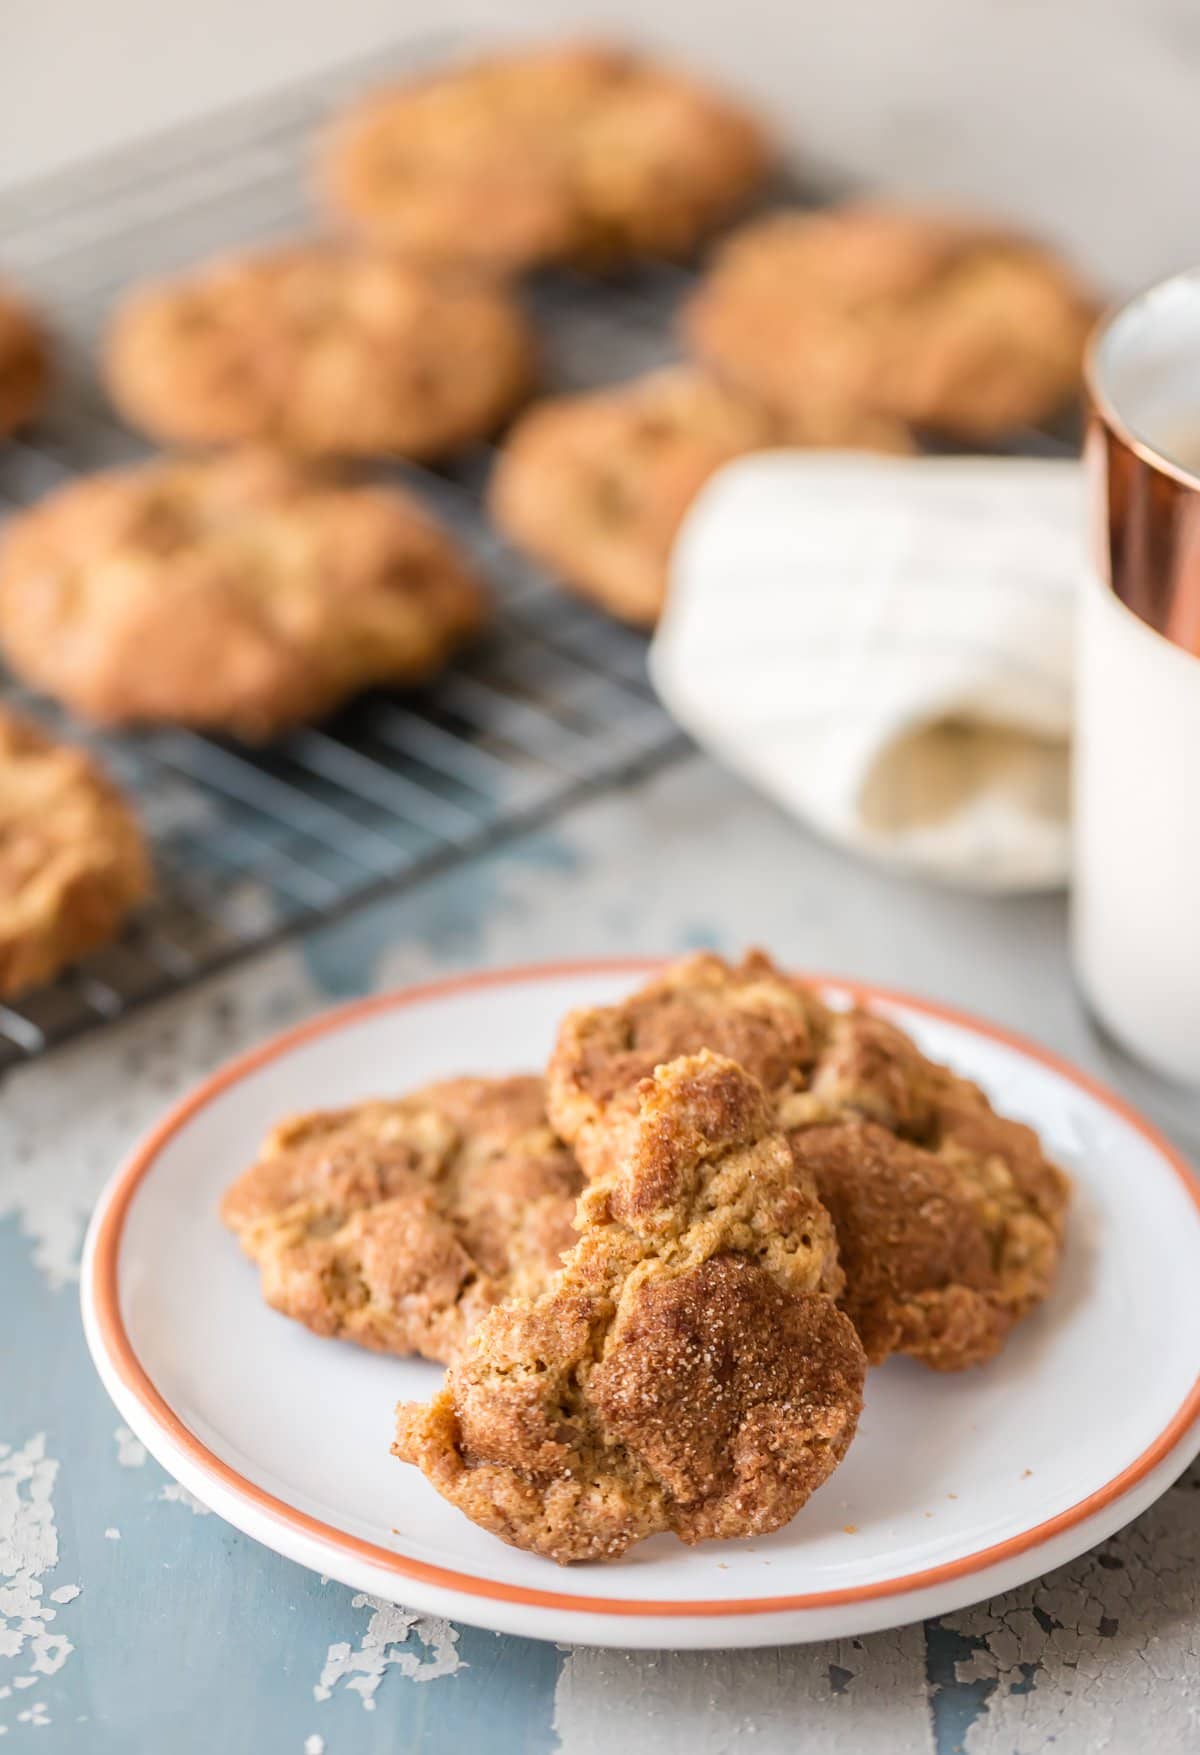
(955, 1488)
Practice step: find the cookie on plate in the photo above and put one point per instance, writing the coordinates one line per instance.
(73, 862)
(322, 351)
(949, 1217)
(595, 486)
(398, 1224)
(24, 363)
(574, 153)
(685, 1369)
(943, 323)
(242, 593)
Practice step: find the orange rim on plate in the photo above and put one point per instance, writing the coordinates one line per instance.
(107, 1312)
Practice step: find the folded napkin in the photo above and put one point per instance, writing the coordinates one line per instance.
(884, 645)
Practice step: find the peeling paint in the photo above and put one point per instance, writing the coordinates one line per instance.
(28, 1551)
(844, 1697)
(174, 1493)
(957, 1695)
(131, 1452)
(386, 1643)
(1101, 1654)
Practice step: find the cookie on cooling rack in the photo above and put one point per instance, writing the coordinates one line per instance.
(943, 323)
(949, 1217)
(398, 1224)
(73, 862)
(242, 593)
(685, 1370)
(24, 363)
(595, 486)
(321, 350)
(574, 153)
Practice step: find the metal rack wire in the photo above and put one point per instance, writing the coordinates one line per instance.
(250, 844)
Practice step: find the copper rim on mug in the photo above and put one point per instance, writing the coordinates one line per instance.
(1135, 817)
(1143, 453)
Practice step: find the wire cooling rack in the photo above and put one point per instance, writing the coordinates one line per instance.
(250, 844)
(554, 704)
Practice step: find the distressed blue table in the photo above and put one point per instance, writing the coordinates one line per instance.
(131, 1620)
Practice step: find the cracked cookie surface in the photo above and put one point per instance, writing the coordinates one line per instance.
(244, 592)
(574, 153)
(398, 1224)
(949, 1218)
(685, 1370)
(324, 351)
(73, 862)
(940, 323)
(595, 486)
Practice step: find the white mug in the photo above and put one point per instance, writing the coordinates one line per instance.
(1136, 879)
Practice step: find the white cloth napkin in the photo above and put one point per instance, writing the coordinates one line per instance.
(884, 645)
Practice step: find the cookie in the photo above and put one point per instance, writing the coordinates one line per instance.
(322, 351)
(242, 593)
(949, 1217)
(684, 1370)
(595, 486)
(24, 363)
(73, 862)
(398, 1224)
(944, 324)
(570, 154)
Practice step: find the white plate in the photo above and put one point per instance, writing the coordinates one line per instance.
(956, 1487)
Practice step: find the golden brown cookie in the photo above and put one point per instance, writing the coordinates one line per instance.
(949, 1218)
(685, 1370)
(573, 153)
(397, 1224)
(243, 593)
(322, 351)
(24, 363)
(72, 860)
(941, 323)
(595, 486)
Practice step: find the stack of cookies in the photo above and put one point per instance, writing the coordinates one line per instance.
(243, 584)
(659, 1274)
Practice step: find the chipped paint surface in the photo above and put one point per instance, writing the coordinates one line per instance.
(848, 1697)
(172, 1493)
(421, 1647)
(32, 1647)
(1101, 1656)
(131, 1452)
